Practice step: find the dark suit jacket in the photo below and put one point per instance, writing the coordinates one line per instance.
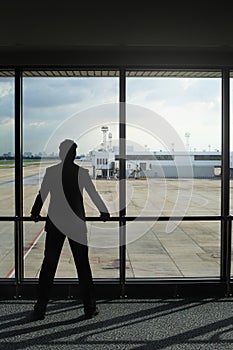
(65, 183)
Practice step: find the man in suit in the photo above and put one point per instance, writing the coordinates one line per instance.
(65, 183)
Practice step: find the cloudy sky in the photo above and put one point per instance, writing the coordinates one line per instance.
(160, 111)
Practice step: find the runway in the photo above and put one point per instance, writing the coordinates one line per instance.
(154, 249)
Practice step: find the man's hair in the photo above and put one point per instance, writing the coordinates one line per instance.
(67, 149)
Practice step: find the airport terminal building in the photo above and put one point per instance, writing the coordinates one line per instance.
(158, 164)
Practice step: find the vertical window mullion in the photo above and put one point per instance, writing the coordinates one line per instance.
(225, 194)
(18, 179)
(122, 189)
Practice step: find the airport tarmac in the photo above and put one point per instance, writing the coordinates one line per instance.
(167, 249)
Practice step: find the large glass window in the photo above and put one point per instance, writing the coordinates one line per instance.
(82, 106)
(173, 144)
(7, 161)
(173, 168)
(7, 264)
(103, 251)
(192, 249)
(103, 241)
(7, 173)
(33, 253)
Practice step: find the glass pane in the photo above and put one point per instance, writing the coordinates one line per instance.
(82, 109)
(173, 146)
(192, 249)
(34, 240)
(7, 161)
(7, 264)
(103, 251)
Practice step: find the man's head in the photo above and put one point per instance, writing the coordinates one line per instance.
(67, 150)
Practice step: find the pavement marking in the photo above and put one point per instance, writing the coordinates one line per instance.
(27, 250)
(33, 243)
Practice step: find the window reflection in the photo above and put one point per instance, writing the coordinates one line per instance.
(173, 146)
(191, 249)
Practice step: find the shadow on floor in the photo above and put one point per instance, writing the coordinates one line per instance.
(121, 324)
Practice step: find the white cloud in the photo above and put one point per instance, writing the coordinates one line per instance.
(6, 121)
(186, 83)
(5, 89)
(202, 120)
(75, 109)
(188, 105)
(37, 124)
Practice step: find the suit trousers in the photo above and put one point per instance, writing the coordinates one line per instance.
(53, 246)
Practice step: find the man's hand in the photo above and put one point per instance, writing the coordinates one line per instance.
(35, 218)
(104, 216)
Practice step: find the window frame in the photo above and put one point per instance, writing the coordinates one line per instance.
(123, 286)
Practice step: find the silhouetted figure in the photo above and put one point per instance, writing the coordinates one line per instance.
(65, 183)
